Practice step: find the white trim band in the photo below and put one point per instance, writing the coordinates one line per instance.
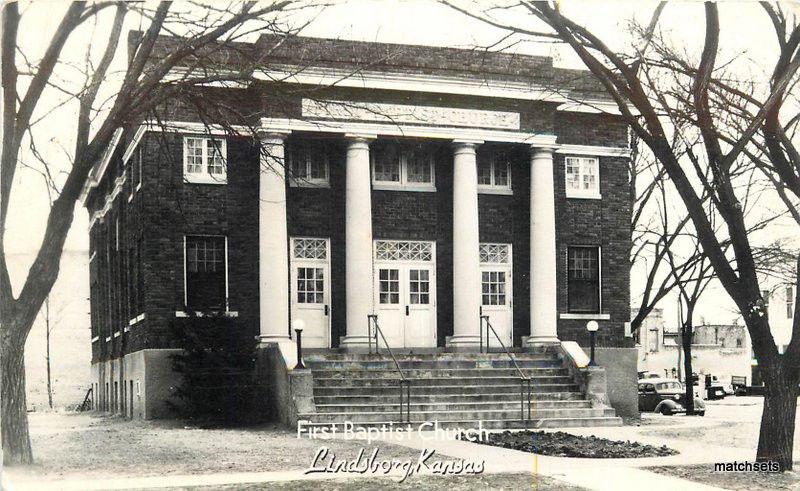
(573, 316)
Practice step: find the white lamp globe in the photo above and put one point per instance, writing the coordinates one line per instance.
(592, 326)
(298, 324)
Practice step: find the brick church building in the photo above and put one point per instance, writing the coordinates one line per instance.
(427, 186)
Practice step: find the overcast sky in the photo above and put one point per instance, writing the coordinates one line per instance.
(744, 29)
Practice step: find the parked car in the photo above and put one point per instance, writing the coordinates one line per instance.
(666, 396)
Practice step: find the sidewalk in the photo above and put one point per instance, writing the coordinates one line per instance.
(595, 474)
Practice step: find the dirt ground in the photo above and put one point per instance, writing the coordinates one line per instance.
(428, 483)
(742, 435)
(87, 446)
(743, 481)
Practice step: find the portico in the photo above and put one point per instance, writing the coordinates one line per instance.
(371, 285)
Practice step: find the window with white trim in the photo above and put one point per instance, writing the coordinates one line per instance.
(409, 167)
(494, 171)
(206, 272)
(583, 279)
(308, 164)
(582, 177)
(204, 160)
(789, 301)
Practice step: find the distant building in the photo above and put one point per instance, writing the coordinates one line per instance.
(720, 350)
(780, 298)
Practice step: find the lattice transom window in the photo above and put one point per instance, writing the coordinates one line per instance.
(305, 248)
(399, 250)
(582, 177)
(494, 253)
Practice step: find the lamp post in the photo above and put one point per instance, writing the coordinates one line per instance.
(298, 325)
(592, 327)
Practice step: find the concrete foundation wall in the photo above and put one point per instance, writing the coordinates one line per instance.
(288, 391)
(139, 385)
(620, 367)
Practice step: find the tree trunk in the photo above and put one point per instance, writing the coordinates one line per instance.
(776, 438)
(15, 437)
(686, 338)
(47, 352)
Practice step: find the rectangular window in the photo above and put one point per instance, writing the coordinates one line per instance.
(204, 160)
(583, 287)
(419, 168)
(494, 171)
(408, 167)
(206, 271)
(116, 233)
(653, 340)
(308, 164)
(139, 166)
(493, 288)
(389, 286)
(789, 301)
(419, 284)
(310, 285)
(582, 177)
(386, 164)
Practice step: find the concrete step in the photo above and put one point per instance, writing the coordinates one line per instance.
(462, 415)
(363, 357)
(370, 381)
(454, 424)
(379, 389)
(424, 373)
(428, 364)
(507, 405)
(391, 397)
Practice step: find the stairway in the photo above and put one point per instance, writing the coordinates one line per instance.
(454, 389)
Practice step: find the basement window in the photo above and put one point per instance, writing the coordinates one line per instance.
(206, 273)
(204, 160)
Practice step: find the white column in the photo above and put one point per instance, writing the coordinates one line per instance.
(358, 242)
(466, 266)
(543, 249)
(273, 248)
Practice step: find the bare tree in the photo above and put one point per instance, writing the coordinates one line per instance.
(106, 101)
(659, 91)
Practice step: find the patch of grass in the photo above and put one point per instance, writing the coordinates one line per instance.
(560, 444)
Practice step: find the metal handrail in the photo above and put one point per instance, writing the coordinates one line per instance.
(372, 321)
(85, 404)
(523, 379)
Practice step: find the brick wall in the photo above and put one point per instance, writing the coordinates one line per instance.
(166, 209)
(604, 223)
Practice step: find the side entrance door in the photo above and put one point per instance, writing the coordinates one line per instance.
(310, 289)
(496, 298)
(405, 286)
